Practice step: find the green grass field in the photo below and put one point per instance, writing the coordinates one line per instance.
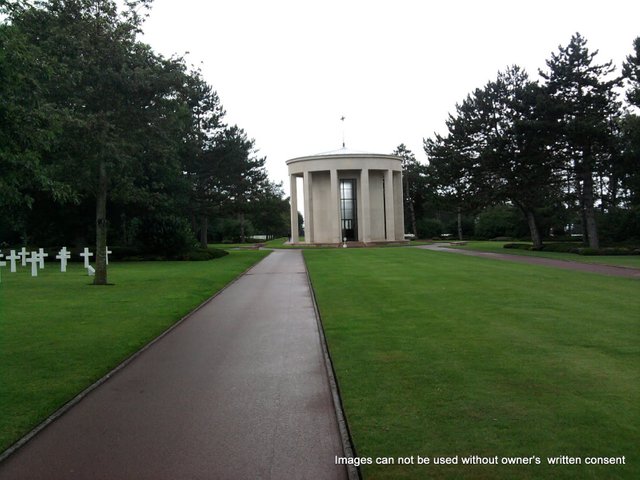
(632, 261)
(445, 355)
(274, 243)
(58, 334)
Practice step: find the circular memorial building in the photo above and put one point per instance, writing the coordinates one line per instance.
(349, 196)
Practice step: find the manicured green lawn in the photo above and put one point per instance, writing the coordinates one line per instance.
(58, 334)
(445, 355)
(275, 243)
(632, 261)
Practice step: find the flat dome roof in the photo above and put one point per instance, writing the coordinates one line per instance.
(346, 153)
(343, 151)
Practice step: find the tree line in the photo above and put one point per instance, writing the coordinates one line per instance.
(563, 150)
(100, 135)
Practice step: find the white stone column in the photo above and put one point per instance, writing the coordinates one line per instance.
(365, 236)
(308, 208)
(399, 205)
(389, 209)
(294, 208)
(336, 222)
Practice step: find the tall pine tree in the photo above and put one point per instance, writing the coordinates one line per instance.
(584, 108)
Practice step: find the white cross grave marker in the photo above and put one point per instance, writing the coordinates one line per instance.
(86, 254)
(24, 255)
(2, 264)
(12, 259)
(34, 259)
(41, 256)
(107, 254)
(91, 271)
(63, 256)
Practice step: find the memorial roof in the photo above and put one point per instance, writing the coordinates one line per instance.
(344, 151)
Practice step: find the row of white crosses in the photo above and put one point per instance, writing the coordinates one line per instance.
(36, 259)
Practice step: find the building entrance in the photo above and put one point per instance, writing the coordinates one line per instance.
(349, 221)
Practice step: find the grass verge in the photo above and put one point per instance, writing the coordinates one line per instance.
(439, 355)
(58, 334)
(631, 261)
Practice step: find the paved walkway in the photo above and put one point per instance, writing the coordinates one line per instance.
(549, 262)
(237, 391)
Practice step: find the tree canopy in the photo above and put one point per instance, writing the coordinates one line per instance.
(94, 123)
(547, 148)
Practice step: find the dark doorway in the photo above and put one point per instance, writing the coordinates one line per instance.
(349, 221)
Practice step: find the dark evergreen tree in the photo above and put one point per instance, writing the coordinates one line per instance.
(243, 177)
(414, 185)
(521, 170)
(270, 212)
(202, 164)
(585, 108)
(495, 150)
(629, 171)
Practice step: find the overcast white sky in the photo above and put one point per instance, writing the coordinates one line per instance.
(286, 71)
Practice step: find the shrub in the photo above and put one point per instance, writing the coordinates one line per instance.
(165, 235)
(501, 221)
(468, 225)
(123, 253)
(227, 230)
(608, 251)
(203, 254)
(619, 225)
(429, 227)
(561, 247)
(517, 246)
(576, 248)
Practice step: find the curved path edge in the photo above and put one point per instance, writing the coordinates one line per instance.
(547, 262)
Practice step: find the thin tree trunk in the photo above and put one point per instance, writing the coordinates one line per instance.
(581, 204)
(602, 197)
(588, 210)
(101, 226)
(412, 213)
(410, 206)
(125, 229)
(204, 229)
(194, 224)
(459, 223)
(613, 191)
(583, 220)
(241, 218)
(536, 238)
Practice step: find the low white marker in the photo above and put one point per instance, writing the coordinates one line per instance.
(2, 264)
(12, 260)
(41, 256)
(86, 254)
(63, 256)
(34, 260)
(23, 253)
